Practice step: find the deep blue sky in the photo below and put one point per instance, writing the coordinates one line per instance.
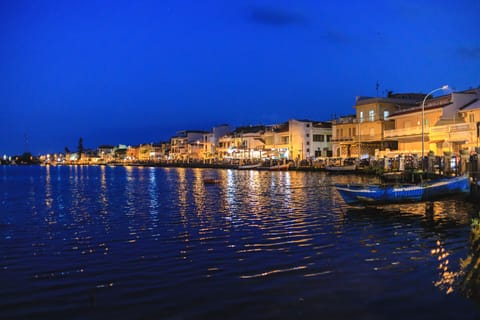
(137, 71)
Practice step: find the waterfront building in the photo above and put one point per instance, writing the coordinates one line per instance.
(309, 139)
(450, 124)
(186, 145)
(242, 144)
(106, 152)
(362, 134)
(132, 153)
(211, 142)
(277, 141)
(471, 115)
(149, 152)
(293, 140)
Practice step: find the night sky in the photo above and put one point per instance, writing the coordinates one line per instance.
(132, 72)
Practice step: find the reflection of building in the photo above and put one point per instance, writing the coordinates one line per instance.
(450, 124)
(363, 133)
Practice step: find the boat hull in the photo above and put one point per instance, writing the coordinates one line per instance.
(250, 166)
(344, 168)
(354, 194)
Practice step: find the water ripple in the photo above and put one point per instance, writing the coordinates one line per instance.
(133, 242)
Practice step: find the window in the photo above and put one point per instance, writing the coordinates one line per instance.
(308, 143)
(386, 113)
(318, 138)
(354, 133)
(308, 150)
(308, 125)
(361, 116)
(318, 153)
(371, 115)
(471, 118)
(308, 135)
(285, 140)
(329, 138)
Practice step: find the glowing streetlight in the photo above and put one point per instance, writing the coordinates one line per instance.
(445, 87)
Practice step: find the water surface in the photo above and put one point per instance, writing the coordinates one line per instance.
(136, 243)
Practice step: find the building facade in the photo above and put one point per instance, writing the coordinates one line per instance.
(449, 124)
(362, 134)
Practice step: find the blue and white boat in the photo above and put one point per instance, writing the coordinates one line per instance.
(357, 194)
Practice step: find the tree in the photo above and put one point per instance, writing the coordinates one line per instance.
(80, 148)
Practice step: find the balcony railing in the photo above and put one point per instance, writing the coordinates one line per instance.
(458, 127)
(405, 132)
(362, 138)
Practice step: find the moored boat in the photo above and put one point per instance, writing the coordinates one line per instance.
(342, 168)
(279, 167)
(249, 166)
(211, 181)
(354, 194)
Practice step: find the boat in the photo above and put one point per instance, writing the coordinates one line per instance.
(358, 194)
(279, 167)
(249, 166)
(342, 168)
(211, 181)
(347, 165)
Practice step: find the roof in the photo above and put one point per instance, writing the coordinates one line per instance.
(472, 105)
(322, 124)
(249, 129)
(418, 108)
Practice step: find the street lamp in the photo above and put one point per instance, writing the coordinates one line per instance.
(445, 87)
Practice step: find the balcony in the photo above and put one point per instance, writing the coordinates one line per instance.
(362, 138)
(459, 127)
(436, 130)
(405, 132)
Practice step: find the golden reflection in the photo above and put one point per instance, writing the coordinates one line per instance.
(103, 189)
(182, 190)
(446, 275)
(48, 188)
(199, 191)
(152, 191)
(271, 272)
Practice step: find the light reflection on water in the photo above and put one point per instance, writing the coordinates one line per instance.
(158, 242)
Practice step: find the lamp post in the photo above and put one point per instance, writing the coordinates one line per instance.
(445, 87)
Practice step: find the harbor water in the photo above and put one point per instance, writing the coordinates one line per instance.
(80, 242)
